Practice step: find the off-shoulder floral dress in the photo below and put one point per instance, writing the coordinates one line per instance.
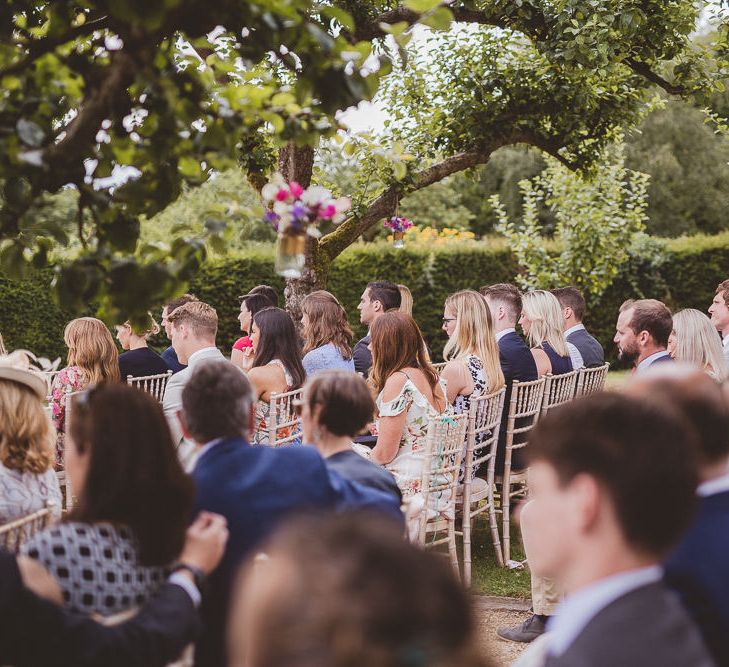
(70, 379)
(407, 466)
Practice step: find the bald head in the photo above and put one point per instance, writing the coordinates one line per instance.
(699, 398)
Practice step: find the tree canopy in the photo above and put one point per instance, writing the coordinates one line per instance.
(169, 93)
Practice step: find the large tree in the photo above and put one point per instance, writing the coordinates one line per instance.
(92, 86)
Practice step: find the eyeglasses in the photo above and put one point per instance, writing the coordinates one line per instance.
(449, 319)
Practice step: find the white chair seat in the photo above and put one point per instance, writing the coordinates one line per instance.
(479, 491)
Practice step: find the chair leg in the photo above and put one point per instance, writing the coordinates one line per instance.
(505, 501)
(452, 546)
(466, 527)
(495, 538)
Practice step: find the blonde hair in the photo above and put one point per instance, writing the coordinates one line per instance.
(199, 316)
(697, 342)
(406, 300)
(474, 334)
(2, 346)
(91, 348)
(27, 439)
(152, 328)
(545, 314)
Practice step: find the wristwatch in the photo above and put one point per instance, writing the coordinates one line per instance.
(198, 576)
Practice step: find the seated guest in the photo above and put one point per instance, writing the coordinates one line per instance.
(27, 442)
(169, 355)
(719, 311)
(326, 333)
(698, 568)
(612, 483)
(541, 321)
(193, 327)
(337, 592)
(112, 551)
(472, 354)
(138, 360)
(642, 333)
(517, 363)
(409, 393)
(573, 311)
(277, 364)
(378, 298)
(92, 359)
(337, 406)
(254, 488)
(694, 341)
(406, 300)
(242, 353)
(36, 631)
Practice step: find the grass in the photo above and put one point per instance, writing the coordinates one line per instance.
(616, 379)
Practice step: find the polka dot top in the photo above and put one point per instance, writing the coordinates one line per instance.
(96, 566)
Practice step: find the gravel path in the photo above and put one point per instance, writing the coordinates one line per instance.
(492, 613)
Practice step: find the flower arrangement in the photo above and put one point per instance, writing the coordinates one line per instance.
(294, 210)
(398, 224)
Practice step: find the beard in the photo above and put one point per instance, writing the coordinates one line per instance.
(629, 353)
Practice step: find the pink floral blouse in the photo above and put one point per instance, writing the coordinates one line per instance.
(70, 379)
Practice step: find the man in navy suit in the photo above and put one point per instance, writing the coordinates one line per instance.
(642, 333)
(573, 310)
(698, 569)
(378, 297)
(517, 361)
(253, 487)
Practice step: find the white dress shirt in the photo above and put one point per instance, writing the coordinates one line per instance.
(571, 330)
(577, 610)
(575, 357)
(503, 332)
(713, 486)
(645, 364)
(725, 343)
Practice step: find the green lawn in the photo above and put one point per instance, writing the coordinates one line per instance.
(616, 379)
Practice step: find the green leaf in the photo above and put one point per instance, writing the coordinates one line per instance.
(421, 6)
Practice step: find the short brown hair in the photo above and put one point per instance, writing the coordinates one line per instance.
(386, 293)
(652, 316)
(174, 304)
(507, 294)
(199, 316)
(345, 400)
(643, 454)
(723, 288)
(217, 401)
(571, 297)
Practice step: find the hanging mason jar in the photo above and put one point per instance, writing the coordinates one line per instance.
(397, 240)
(291, 255)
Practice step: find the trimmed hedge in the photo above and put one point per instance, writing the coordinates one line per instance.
(692, 268)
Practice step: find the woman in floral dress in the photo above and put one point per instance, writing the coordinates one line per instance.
(92, 359)
(408, 395)
(277, 366)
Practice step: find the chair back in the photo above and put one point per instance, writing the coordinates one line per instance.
(591, 380)
(50, 377)
(484, 421)
(442, 457)
(284, 425)
(151, 384)
(14, 533)
(439, 366)
(558, 390)
(524, 408)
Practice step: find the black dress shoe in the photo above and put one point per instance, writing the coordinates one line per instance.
(527, 632)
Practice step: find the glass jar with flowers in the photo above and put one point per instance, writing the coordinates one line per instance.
(399, 225)
(295, 213)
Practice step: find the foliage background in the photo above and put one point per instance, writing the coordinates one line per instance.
(684, 274)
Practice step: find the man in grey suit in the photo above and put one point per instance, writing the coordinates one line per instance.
(194, 326)
(612, 481)
(573, 310)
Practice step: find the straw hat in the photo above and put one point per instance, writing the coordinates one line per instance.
(16, 368)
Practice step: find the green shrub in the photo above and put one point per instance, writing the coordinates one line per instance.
(687, 277)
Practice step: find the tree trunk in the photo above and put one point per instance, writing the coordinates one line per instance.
(296, 163)
(314, 277)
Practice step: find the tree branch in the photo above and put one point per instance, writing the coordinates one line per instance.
(647, 73)
(43, 46)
